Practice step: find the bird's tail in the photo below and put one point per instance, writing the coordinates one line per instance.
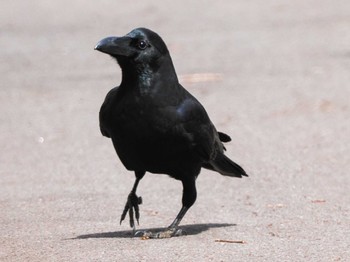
(226, 166)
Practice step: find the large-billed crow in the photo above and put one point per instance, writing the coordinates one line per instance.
(156, 125)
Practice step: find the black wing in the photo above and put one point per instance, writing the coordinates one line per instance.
(105, 112)
(198, 128)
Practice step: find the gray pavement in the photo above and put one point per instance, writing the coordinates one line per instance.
(277, 80)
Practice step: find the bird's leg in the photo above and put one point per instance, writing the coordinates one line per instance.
(133, 202)
(173, 229)
(188, 198)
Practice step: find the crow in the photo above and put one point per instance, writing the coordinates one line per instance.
(156, 125)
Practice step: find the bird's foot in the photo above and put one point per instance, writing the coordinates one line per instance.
(168, 233)
(131, 206)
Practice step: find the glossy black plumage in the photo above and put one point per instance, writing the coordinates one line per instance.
(155, 124)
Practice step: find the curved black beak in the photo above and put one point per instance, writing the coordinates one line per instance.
(115, 46)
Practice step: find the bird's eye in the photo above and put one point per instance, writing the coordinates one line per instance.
(142, 44)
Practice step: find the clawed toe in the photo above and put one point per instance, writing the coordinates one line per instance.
(168, 233)
(131, 206)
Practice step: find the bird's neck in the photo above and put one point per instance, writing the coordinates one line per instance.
(146, 75)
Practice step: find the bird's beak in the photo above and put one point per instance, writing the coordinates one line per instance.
(115, 46)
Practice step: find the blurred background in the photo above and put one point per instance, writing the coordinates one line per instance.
(273, 75)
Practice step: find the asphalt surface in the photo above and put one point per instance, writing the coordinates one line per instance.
(275, 76)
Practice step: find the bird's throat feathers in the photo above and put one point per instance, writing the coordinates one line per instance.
(145, 76)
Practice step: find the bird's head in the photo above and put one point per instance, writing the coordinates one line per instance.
(139, 48)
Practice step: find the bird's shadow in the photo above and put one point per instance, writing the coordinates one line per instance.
(192, 229)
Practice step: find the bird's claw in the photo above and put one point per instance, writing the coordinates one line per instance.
(168, 233)
(131, 206)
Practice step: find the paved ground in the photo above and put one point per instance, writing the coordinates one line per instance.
(277, 81)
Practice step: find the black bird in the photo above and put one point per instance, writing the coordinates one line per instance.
(156, 125)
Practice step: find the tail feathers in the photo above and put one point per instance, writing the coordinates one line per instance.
(226, 166)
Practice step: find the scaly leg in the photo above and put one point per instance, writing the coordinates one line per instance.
(188, 198)
(133, 202)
